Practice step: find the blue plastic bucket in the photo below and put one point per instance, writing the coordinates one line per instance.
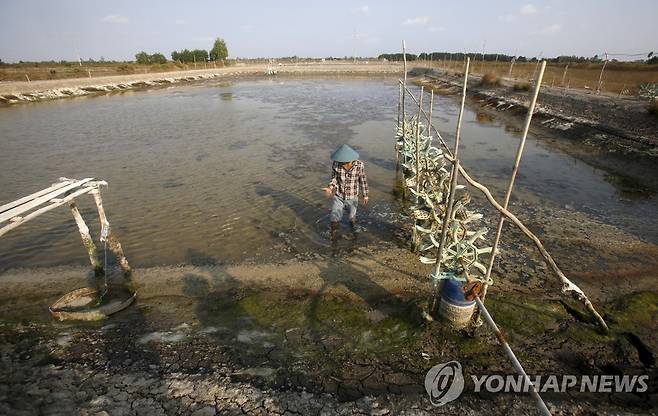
(454, 308)
(453, 293)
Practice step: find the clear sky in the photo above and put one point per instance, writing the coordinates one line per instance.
(117, 29)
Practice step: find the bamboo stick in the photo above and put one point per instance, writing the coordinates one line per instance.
(417, 136)
(404, 84)
(115, 246)
(600, 84)
(397, 153)
(87, 241)
(515, 170)
(399, 103)
(568, 287)
(453, 184)
(414, 233)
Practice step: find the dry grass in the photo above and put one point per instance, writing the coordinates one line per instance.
(490, 79)
(45, 71)
(618, 77)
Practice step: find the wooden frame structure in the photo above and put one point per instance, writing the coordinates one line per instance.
(65, 191)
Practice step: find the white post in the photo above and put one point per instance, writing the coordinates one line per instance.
(87, 241)
(115, 246)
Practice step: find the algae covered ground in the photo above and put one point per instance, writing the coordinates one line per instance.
(338, 333)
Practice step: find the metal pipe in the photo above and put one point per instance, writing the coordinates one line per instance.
(510, 354)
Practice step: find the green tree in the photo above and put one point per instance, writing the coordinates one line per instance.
(199, 55)
(219, 50)
(158, 58)
(142, 58)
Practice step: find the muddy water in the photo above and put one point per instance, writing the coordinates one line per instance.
(218, 173)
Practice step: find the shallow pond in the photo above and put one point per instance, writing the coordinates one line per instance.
(218, 172)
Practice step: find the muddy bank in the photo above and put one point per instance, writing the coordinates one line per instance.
(333, 335)
(617, 124)
(21, 92)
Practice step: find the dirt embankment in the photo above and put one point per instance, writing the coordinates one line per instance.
(617, 124)
(17, 92)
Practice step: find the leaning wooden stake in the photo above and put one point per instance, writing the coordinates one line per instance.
(451, 196)
(87, 241)
(515, 170)
(568, 287)
(115, 246)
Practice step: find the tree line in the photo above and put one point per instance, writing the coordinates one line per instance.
(499, 57)
(218, 52)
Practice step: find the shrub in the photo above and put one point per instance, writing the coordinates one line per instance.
(521, 86)
(490, 80)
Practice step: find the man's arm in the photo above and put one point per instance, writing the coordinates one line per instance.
(363, 183)
(334, 176)
(334, 180)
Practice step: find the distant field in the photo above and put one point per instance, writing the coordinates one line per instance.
(618, 77)
(46, 70)
(39, 71)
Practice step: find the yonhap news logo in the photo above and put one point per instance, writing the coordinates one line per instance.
(445, 383)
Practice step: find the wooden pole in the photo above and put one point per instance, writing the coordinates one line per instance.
(417, 136)
(414, 233)
(87, 241)
(515, 170)
(399, 104)
(600, 84)
(404, 59)
(451, 196)
(404, 95)
(564, 74)
(115, 246)
(511, 66)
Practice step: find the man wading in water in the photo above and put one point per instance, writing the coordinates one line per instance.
(348, 175)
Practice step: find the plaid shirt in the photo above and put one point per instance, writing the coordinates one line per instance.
(347, 182)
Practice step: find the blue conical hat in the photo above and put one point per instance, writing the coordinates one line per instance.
(344, 154)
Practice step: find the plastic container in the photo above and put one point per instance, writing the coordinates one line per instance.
(454, 308)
